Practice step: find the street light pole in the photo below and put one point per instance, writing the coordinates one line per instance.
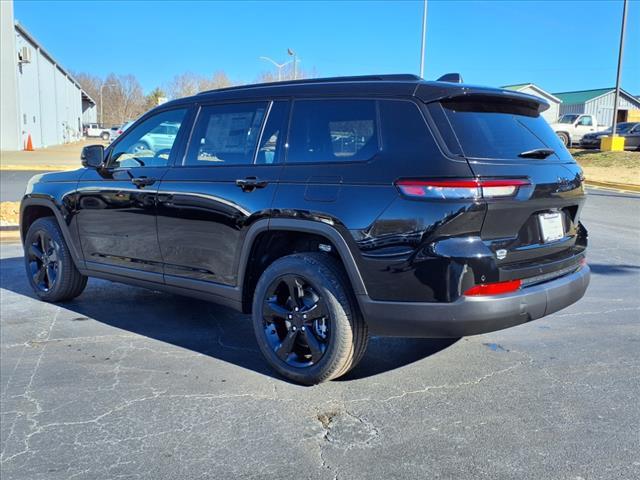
(279, 66)
(620, 52)
(101, 106)
(295, 62)
(424, 37)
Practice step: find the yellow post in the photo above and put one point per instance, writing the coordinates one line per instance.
(613, 143)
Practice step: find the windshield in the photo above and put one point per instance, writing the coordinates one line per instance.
(568, 118)
(493, 129)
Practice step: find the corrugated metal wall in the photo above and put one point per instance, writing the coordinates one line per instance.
(50, 103)
(601, 107)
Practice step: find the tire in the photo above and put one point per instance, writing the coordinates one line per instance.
(105, 136)
(311, 282)
(50, 268)
(564, 138)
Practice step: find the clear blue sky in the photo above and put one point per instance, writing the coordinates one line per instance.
(562, 45)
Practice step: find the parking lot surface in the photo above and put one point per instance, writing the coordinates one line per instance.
(129, 383)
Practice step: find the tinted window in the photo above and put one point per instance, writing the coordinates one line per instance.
(497, 130)
(226, 134)
(270, 148)
(333, 131)
(404, 131)
(585, 121)
(149, 144)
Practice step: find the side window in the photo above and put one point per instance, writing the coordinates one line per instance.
(585, 121)
(226, 134)
(333, 131)
(148, 144)
(273, 135)
(404, 131)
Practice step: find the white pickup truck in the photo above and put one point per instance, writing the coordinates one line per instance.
(571, 127)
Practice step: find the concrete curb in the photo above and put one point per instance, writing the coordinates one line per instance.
(9, 228)
(616, 186)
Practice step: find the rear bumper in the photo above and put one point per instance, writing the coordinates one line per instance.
(474, 315)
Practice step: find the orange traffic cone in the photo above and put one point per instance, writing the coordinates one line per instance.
(29, 147)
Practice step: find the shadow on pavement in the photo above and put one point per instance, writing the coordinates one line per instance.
(201, 326)
(604, 269)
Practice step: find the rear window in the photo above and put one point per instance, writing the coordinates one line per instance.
(496, 130)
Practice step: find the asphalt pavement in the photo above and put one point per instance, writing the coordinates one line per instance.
(13, 184)
(128, 383)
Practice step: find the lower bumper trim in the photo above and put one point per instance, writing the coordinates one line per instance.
(474, 315)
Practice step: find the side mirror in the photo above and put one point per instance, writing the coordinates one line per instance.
(92, 156)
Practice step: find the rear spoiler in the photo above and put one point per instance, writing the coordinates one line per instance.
(437, 91)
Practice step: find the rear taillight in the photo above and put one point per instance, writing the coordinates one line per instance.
(461, 188)
(119, 132)
(494, 288)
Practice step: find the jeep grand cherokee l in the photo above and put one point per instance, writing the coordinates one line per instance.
(329, 209)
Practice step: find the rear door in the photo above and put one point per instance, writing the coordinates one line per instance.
(540, 221)
(208, 200)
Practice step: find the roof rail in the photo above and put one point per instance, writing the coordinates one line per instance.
(395, 77)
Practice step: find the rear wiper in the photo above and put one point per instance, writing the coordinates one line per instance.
(537, 153)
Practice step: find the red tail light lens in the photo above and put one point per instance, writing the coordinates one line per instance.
(460, 188)
(494, 288)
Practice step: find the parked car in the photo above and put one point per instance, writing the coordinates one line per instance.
(629, 130)
(117, 131)
(329, 209)
(570, 128)
(95, 130)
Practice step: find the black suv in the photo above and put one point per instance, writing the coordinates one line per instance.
(330, 209)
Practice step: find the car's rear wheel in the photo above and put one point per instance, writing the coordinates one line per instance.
(105, 135)
(564, 138)
(50, 268)
(305, 318)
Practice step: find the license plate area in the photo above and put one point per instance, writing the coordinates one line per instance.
(551, 226)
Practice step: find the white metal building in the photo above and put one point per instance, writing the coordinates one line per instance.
(39, 98)
(599, 102)
(552, 113)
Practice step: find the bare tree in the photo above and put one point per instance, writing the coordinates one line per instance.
(189, 83)
(122, 96)
(123, 99)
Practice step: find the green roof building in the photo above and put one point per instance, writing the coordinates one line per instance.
(599, 102)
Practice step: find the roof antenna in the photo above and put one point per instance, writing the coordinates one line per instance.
(450, 77)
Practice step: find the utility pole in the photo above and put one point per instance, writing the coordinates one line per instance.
(424, 37)
(620, 52)
(101, 106)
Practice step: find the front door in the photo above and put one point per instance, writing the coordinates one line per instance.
(226, 182)
(116, 205)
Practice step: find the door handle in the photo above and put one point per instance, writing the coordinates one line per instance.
(250, 183)
(142, 182)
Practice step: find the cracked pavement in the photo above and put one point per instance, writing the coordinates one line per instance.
(128, 383)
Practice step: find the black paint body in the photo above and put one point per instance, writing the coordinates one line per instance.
(193, 230)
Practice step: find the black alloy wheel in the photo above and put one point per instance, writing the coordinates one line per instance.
(43, 260)
(51, 270)
(306, 318)
(297, 323)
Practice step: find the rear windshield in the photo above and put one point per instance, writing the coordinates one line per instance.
(497, 130)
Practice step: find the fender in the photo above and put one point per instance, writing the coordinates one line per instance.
(29, 201)
(306, 226)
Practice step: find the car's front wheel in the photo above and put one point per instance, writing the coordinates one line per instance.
(306, 320)
(50, 268)
(564, 138)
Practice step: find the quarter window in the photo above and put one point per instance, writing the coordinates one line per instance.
(333, 131)
(226, 134)
(150, 143)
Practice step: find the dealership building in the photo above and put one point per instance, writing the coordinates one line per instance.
(39, 97)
